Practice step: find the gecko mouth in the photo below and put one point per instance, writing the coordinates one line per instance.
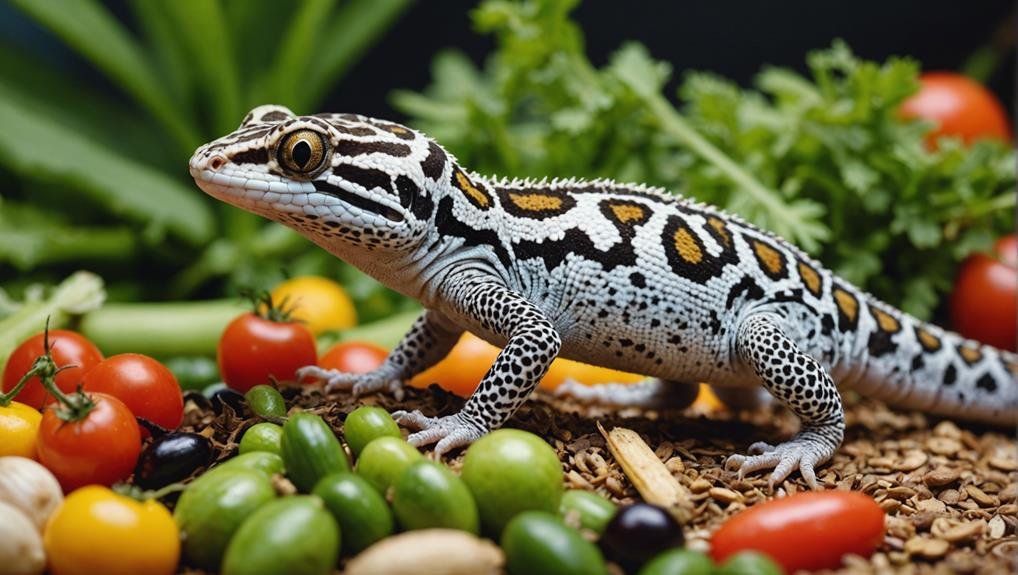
(358, 201)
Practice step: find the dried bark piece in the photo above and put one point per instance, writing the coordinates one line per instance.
(646, 472)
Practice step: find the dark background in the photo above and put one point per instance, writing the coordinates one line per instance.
(732, 38)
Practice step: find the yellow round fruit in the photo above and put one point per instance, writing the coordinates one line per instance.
(322, 304)
(19, 426)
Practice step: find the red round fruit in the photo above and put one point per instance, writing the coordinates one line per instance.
(101, 448)
(354, 357)
(984, 302)
(959, 106)
(811, 531)
(67, 348)
(254, 350)
(147, 387)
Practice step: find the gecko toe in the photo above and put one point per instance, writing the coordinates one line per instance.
(449, 432)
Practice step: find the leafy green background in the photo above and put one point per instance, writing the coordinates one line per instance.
(821, 158)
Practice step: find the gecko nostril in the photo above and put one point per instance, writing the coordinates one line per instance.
(216, 162)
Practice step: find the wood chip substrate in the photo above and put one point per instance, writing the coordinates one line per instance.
(949, 489)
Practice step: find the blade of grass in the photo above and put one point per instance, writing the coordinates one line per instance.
(36, 146)
(255, 25)
(202, 29)
(87, 27)
(354, 28)
(294, 54)
(164, 43)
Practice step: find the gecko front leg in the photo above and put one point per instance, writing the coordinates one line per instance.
(427, 342)
(531, 344)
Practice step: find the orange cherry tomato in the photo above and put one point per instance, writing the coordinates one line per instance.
(959, 106)
(354, 357)
(101, 448)
(147, 387)
(808, 531)
(67, 347)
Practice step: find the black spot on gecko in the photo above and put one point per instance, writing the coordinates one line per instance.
(637, 279)
(368, 178)
(358, 148)
(434, 164)
(987, 382)
(255, 156)
(745, 286)
(950, 375)
(880, 343)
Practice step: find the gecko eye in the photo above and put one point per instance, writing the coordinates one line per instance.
(302, 152)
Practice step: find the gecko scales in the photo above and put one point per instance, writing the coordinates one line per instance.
(612, 274)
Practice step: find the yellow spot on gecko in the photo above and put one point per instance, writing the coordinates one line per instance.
(475, 195)
(926, 339)
(970, 354)
(687, 246)
(771, 260)
(718, 225)
(886, 321)
(535, 202)
(810, 278)
(847, 303)
(626, 213)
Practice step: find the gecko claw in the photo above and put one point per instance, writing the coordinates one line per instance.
(449, 432)
(357, 383)
(802, 452)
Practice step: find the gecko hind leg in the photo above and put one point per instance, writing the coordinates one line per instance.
(800, 384)
(650, 393)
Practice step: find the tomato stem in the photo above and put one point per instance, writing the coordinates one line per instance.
(266, 308)
(77, 405)
(139, 494)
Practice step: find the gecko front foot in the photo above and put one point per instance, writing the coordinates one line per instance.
(450, 432)
(806, 450)
(358, 383)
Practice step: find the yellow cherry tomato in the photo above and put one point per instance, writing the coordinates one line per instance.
(19, 428)
(98, 531)
(321, 303)
(471, 357)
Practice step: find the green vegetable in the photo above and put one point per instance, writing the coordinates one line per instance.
(262, 437)
(266, 401)
(510, 471)
(310, 450)
(679, 562)
(362, 514)
(80, 292)
(193, 372)
(427, 495)
(823, 159)
(265, 462)
(366, 424)
(293, 535)
(213, 507)
(594, 510)
(749, 563)
(384, 460)
(538, 542)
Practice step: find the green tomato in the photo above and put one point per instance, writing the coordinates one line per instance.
(510, 471)
(594, 510)
(262, 437)
(293, 535)
(679, 562)
(266, 401)
(362, 513)
(366, 424)
(749, 563)
(428, 495)
(384, 459)
(539, 542)
(265, 462)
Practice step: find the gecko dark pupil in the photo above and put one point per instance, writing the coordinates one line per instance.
(301, 153)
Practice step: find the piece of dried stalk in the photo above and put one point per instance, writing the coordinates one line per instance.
(647, 473)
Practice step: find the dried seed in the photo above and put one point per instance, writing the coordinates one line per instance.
(980, 496)
(725, 495)
(900, 493)
(949, 496)
(931, 506)
(700, 485)
(928, 548)
(941, 476)
(1003, 463)
(943, 445)
(997, 527)
(913, 460)
(947, 429)
(955, 531)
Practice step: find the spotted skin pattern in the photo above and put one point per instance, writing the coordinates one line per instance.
(618, 275)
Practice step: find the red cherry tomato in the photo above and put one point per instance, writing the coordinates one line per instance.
(804, 531)
(101, 448)
(253, 349)
(960, 107)
(146, 386)
(67, 347)
(354, 357)
(984, 303)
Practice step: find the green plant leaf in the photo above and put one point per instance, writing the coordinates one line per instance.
(164, 42)
(355, 27)
(38, 147)
(297, 51)
(30, 237)
(202, 30)
(87, 27)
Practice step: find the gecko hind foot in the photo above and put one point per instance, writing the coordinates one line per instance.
(450, 432)
(804, 452)
(357, 383)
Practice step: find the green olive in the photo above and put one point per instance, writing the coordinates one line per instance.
(266, 401)
(428, 495)
(679, 562)
(368, 423)
(262, 437)
(384, 459)
(510, 471)
(539, 542)
(749, 563)
(594, 510)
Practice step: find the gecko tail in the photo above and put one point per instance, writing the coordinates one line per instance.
(912, 364)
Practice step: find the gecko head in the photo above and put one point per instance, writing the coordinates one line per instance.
(340, 179)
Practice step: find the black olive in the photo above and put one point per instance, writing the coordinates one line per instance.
(230, 397)
(639, 532)
(170, 458)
